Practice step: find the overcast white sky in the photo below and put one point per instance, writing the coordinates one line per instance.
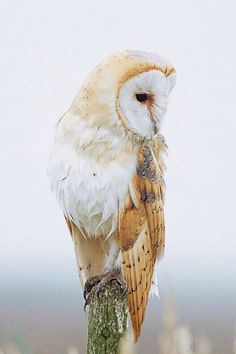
(47, 49)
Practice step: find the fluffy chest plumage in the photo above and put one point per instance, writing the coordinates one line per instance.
(93, 186)
(97, 189)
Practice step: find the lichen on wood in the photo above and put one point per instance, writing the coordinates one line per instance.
(107, 319)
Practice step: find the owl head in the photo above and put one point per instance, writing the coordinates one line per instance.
(129, 91)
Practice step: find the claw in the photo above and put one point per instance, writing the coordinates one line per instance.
(89, 284)
(124, 287)
(100, 282)
(87, 302)
(112, 275)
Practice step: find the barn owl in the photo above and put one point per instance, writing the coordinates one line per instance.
(106, 169)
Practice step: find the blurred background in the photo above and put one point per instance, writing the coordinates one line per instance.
(47, 49)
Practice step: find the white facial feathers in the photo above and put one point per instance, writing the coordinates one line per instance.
(145, 116)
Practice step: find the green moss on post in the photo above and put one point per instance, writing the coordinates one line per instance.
(107, 320)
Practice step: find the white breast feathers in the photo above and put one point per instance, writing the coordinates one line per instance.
(90, 171)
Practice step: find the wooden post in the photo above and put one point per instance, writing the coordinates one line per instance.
(107, 319)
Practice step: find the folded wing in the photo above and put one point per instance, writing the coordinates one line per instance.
(142, 229)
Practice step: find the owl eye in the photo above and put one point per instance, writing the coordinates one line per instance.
(142, 97)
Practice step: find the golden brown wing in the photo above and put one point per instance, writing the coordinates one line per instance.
(142, 229)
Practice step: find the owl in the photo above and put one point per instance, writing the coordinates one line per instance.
(106, 169)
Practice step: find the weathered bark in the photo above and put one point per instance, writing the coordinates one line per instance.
(107, 319)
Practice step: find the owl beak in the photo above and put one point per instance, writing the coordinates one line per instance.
(156, 126)
(155, 123)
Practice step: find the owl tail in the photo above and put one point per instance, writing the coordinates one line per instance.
(127, 344)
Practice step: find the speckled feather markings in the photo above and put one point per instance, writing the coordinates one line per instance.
(142, 230)
(106, 170)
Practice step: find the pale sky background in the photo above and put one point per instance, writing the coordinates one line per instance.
(47, 49)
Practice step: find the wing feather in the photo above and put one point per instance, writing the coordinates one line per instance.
(141, 231)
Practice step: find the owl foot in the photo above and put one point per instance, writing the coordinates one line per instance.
(89, 284)
(114, 274)
(100, 282)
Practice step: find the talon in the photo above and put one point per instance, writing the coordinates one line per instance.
(100, 282)
(112, 275)
(86, 303)
(89, 284)
(124, 287)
